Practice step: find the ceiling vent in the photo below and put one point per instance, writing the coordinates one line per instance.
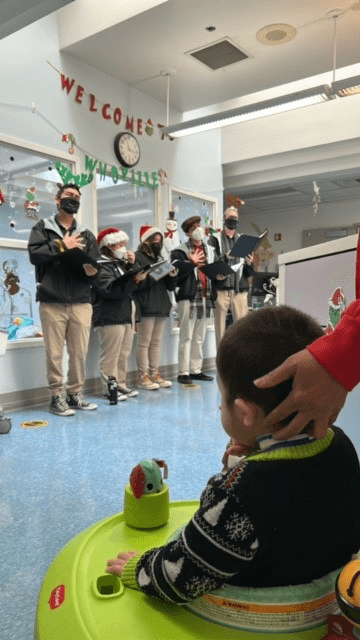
(218, 55)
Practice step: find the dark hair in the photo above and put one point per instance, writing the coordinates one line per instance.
(63, 187)
(258, 343)
(189, 222)
(145, 247)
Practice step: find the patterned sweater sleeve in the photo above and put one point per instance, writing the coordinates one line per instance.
(214, 546)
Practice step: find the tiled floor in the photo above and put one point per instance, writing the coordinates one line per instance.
(56, 481)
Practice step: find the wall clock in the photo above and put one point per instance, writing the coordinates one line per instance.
(127, 149)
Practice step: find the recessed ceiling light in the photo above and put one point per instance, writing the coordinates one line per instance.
(275, 34)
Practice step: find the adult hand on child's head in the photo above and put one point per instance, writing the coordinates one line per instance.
(117, 565)
(315, 396)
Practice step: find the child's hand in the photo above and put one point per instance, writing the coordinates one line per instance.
(116, 565)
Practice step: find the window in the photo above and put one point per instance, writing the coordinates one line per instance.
(124, 206)
(28, 183)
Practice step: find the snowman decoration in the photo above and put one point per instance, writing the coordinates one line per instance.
(171, 235)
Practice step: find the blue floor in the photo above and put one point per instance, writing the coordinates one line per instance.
(56, 481)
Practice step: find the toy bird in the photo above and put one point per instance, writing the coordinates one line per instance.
(146, 477)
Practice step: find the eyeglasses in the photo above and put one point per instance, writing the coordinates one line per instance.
(70, 194)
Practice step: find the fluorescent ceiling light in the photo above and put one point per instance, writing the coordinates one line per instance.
(347, 87)
(288, 102)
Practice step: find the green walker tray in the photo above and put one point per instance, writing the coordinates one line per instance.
(78, 601)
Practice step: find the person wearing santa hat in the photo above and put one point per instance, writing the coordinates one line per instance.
(114, 309)
(155, 305)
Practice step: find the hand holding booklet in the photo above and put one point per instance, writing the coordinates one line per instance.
(159, 270)
(246, 245)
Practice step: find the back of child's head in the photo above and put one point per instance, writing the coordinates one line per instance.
(257, 344)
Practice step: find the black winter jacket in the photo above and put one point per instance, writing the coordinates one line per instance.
(240, 280)
(186, 281)
(151, 296)
(112, 294)
(55, 281)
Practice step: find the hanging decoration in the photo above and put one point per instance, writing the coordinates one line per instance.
(316, 198)
(234, 201)
(11, 280)
(138, 178)
(105, 110)
(2, 198)
(162, 176)
(31, 206)
(69, 137)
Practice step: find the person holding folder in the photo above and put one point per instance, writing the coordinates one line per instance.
(64, 293)
(232, 290)
(195, 296)
(114, 308)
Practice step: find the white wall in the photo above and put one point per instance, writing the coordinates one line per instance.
(27, 78)
(291, 222)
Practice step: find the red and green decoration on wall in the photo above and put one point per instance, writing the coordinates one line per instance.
(336, 307)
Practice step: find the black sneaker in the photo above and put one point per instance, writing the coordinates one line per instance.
(59, 407)
(120, 396)
(76, 402)
(201, 376)
(184, 379)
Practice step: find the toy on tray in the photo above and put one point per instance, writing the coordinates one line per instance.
(146, 502)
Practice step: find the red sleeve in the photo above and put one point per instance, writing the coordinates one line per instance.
(339, 352)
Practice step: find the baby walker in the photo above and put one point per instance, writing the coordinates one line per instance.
(78, 601)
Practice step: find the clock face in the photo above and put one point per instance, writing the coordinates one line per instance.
(127, 149)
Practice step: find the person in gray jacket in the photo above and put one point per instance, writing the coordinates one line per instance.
(195, 296)
(232, 290)
(64, 294)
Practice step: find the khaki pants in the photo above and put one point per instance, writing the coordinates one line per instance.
(238, 303)
(150, 332)
(68, 323)
(191, 339)
(115, 347)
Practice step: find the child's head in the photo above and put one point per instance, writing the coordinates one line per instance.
(252, 347)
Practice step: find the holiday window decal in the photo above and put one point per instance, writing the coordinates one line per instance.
(336, 307)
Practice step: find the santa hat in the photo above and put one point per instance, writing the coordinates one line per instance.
(146, 231)
(111, 236)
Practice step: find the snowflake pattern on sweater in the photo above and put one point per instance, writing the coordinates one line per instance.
(214, 546)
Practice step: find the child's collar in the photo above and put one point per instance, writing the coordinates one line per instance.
(266, 442)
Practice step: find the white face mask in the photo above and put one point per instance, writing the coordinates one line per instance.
(198, 234)
(120, 254)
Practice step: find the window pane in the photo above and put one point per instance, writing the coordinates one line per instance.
(28, 184)
(19, 313)
(124, 206)
(188, 206)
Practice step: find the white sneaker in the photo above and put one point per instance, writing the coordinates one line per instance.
(158, 379)
(129, 393)
(146, 383)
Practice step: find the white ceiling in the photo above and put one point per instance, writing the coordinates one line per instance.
(15, 15)
(159, 39)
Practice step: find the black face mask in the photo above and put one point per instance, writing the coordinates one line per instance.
(231, 223)
(156, 246)
(69, 205)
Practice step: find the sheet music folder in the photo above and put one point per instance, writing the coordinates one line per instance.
(76, 258)
(220, 267)
(246, 245)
